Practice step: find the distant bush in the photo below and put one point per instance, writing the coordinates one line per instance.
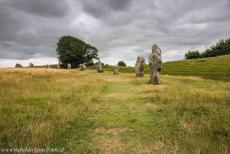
(192, 55)
(121, 63)
(18, 65)
(220, 48)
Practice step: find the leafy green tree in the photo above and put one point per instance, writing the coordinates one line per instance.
(220, 48)
(75, 51)
(192, 55)
(121, 63)
(18, 65)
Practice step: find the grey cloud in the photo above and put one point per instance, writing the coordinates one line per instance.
(119, 4)
(104, 8)
(24, 35)
(46, 8)
(9, 23)
(120, 29)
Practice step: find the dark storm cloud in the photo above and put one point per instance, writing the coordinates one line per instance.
(120, 29)
(104, 8)
(27, 27)
(9, 23)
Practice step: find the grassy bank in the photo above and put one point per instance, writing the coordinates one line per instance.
(87, 112)
(217, 68)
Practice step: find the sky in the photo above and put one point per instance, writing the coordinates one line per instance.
(119, 29)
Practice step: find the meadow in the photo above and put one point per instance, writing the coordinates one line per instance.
(216, 68)
(89, 112)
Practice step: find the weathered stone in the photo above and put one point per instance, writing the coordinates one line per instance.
(69, 66)
(18, 65)
(99, 67)
(155, 62)
(139, 66)
(58, 66)
(82, 67)
(115, 70)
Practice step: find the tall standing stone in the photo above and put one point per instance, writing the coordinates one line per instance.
(140, 66)
(58, 66)
(99, 67)
(155, 62)
(115, 70)
(69, 66)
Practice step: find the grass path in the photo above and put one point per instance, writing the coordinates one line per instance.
(87, 112)
(131, 116)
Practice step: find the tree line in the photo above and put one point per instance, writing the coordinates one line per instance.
(220, 48)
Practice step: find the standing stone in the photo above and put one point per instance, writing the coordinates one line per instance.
(48, 66)
(82, 67)
(58, 66)
(155, 62)
(140, 66)
(99, 67)
(69, 66)
(115, 70)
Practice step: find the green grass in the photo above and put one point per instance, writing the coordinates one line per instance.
(217, 68)
(89, 112)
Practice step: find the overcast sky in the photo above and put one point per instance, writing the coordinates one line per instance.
(120, 29)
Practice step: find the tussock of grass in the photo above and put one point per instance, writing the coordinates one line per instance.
(89, 112)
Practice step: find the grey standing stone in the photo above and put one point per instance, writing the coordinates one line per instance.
(140, 66)
(115, 70)
(58, 66)
(155, 61)
(82, 67)
(69, 66)
(99, 67)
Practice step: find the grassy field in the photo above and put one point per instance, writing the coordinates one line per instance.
(217, 68)
(88, 112)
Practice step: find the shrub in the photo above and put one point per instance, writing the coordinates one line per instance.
(121, 63)
(18, 65)
(192, 55)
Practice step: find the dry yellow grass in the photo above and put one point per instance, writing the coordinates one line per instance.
(87, 112)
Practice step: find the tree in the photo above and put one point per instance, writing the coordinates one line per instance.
(220, 48)
(75, 51)
(192, 55)
(121, 63)
(18, 65)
